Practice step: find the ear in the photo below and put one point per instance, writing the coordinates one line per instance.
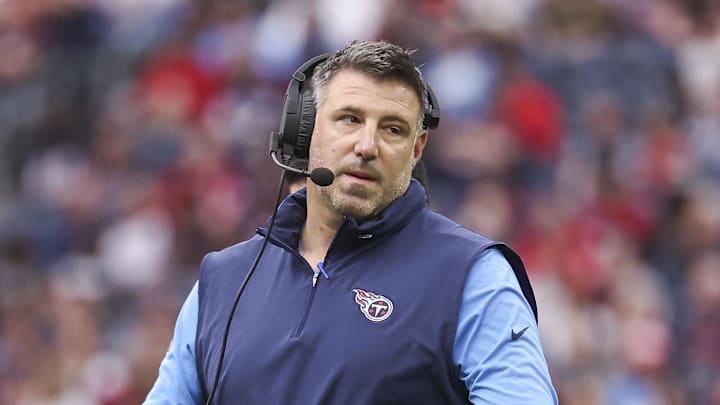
(419, 146)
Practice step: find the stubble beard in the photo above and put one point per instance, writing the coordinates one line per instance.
(363, 203)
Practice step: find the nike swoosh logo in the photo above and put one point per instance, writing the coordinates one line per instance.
(516, 335)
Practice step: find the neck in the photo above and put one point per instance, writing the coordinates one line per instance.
(320, 228)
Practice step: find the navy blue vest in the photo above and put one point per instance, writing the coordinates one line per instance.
(379, 329)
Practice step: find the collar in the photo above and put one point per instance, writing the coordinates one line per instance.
(293, 211)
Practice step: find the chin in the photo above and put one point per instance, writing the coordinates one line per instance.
(360, 208)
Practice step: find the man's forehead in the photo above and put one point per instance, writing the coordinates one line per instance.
(347, 83)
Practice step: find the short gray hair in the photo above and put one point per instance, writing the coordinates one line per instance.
(379, 59)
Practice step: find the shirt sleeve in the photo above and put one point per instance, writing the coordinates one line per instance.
(177, 381)
(497, 347)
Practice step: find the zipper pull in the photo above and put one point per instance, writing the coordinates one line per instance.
(321, 267)
(316, 274)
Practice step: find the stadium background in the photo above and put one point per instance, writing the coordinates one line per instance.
(133, 139)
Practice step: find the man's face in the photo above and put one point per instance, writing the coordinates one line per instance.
(365, 132)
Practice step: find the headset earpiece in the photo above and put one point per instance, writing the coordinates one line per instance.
(306, 124)
(431, 119)
(298, 117)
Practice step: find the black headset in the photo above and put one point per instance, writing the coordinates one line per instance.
(292, 141)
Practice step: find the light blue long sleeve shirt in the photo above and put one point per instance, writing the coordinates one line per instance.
(497, 347)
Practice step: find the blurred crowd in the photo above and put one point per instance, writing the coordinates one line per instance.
(133, 140)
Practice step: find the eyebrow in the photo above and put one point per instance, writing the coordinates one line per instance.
(391, 117)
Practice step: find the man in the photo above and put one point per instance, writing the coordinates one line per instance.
(364, 295)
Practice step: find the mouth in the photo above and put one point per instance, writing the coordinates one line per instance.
(361, 174)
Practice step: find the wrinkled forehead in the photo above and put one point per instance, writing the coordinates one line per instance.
(349, 85)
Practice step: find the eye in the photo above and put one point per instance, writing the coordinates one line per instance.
(394, 130)
(349, 119)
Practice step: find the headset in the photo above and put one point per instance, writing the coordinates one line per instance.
(292, 141)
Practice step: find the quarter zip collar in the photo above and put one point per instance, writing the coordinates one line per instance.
(293, 211)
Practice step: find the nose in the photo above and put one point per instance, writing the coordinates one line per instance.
(366, 145)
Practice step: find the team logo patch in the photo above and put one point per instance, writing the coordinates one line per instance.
(375, 307)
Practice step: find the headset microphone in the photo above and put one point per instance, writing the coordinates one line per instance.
(322, 176)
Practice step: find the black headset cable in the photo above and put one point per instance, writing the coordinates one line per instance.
(242, 288)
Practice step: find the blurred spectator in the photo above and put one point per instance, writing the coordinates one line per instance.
(701, 326)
